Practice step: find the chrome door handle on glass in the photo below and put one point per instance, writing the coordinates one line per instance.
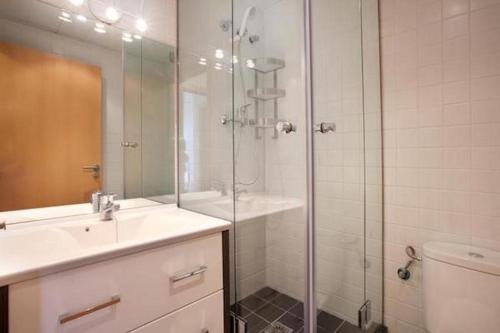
(285, 127)
(183, 276)
(128, 144)
(325, 128)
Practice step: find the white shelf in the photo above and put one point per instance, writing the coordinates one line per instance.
(266, 94)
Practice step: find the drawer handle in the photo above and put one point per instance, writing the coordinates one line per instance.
(72, 316)
(180, 277)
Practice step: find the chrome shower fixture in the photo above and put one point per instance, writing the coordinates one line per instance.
(404, 272)
(249, 12)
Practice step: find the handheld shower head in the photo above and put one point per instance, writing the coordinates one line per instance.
(249, 12)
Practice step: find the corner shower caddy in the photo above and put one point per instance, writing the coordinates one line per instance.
(265, 66)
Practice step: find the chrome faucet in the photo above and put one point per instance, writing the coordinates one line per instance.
(238, 192)
(95, 200)
(107, 206)
(219, 186)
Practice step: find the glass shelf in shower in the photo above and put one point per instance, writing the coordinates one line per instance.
(266, 94)
(266, 65)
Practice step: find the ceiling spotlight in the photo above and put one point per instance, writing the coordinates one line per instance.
(141, 24)
(218, 66)
(99, 28)
(76, 2)
(64, 14)
(235, 59)
(64, 18)
(203, 59)
(112, 14)
(219, 54)
(127, 39)
(138, 37)
(127, 35)
(81, 18)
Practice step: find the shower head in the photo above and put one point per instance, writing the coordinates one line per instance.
(249, 12)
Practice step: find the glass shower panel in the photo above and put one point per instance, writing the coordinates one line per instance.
(205, 107)
(149, 95)
(347, 162)
(270, 167)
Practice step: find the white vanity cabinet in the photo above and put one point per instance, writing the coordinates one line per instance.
(203, 316)
(176, 288)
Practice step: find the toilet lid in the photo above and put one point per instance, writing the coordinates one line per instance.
(467, 256)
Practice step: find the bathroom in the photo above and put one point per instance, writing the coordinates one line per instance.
(250, 166)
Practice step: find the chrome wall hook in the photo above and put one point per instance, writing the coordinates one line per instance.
(404, 272)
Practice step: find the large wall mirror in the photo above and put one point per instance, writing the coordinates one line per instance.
(86, 104)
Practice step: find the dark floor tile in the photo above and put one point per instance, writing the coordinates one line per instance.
(296, 324)
(328, 321)
(322, 330)
(267, 293)
(298, 310)
(349, 328)
(252, 303)
(284, 301)
(255, 324)
(270, 312)
(240, 310)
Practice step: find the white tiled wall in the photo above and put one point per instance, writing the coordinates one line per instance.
(441, 109)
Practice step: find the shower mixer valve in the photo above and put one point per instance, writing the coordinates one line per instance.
(404, 272)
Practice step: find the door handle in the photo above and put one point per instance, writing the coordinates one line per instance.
(94, 168)
(128, 144)
(325, 127)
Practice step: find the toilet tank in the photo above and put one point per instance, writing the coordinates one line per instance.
(461, 288)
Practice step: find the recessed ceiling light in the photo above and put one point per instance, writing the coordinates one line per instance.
(136, 36)
(219, 54)
(127, 39)
(81, 18)
(64, 18)
(127, 35)
(203, 59)
(65, 14)
(235, 59)
(112, 14)
(99, 25)
(100, 30)
(218, 66)
(76, 2)
(141, 24)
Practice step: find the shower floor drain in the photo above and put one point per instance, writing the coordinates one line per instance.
(278, 328)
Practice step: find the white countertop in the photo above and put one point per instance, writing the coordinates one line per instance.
(30, 250)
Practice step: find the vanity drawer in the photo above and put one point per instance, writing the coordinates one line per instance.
(120, 294)
(203, 316)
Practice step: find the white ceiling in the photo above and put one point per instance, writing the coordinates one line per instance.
(159, 15)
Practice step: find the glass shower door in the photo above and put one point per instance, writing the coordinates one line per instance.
(347, 173)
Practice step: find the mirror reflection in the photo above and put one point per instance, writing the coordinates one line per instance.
(86, 106)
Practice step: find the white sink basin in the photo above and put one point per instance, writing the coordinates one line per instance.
(31, 249)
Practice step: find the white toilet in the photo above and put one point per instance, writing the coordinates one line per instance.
(461, 288)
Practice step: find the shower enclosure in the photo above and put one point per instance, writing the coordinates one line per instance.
(280, 133)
